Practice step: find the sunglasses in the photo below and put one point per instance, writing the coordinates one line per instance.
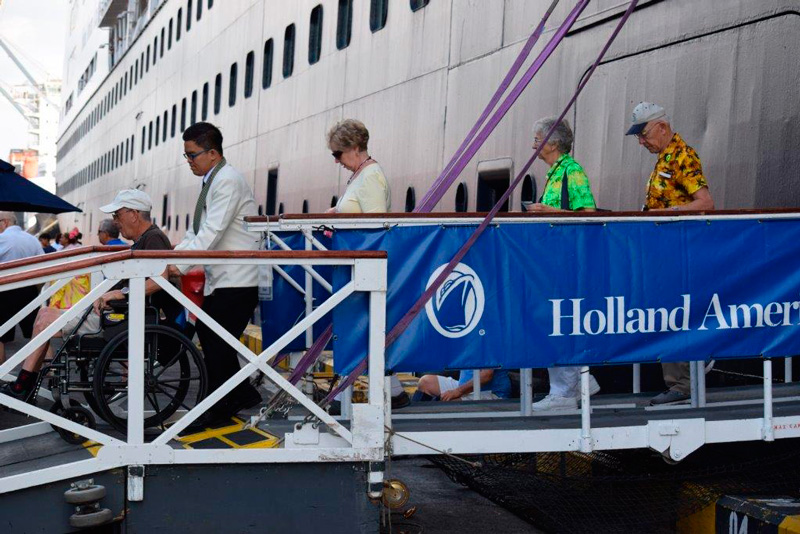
(337, 154)
(116, 215)
(191, 157)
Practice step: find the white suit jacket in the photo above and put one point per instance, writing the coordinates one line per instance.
(228, 202)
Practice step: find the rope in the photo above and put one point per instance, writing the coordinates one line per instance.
(476, 465)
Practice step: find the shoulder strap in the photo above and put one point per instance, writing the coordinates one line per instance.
(565, 190)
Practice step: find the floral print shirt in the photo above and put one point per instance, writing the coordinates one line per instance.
(678, 175)
(580, 194)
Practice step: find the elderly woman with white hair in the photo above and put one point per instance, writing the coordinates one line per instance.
(367, 192)
(367, 188)
(567, 189)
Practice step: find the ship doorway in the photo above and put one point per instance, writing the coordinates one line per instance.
(272, 191)
(494, 177)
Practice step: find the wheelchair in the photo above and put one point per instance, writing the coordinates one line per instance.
(94, 366)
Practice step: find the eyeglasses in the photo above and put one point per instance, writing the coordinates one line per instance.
(644, 133)
(116, 215)
(191, 157)
(337, 154)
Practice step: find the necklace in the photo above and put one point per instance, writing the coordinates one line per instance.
(358, 169)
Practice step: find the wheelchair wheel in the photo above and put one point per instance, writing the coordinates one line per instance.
(175, 377)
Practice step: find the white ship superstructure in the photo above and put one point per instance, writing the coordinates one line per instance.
(274, 75)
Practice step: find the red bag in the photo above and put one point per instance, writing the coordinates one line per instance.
(192, 284)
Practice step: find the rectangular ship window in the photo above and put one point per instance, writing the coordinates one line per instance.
(232, 85)
(217, 93)
(288, 51)
(266, 73)
(178, 24)
(315, 35)
(344, 24)
(416, 5)
(378, 12)
(204, 106)
(249, 66)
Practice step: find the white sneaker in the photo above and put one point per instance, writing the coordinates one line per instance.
(551, 402)
(594, 387)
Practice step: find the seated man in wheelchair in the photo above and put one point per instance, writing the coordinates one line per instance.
(131, 209)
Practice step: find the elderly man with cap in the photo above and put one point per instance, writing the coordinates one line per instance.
(676, 184)
(108, 233)
(16, 244)
(131, 209)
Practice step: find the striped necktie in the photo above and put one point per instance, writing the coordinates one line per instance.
(201, 200)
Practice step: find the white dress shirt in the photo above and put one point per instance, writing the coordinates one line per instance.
(228, 202)
(16, 244)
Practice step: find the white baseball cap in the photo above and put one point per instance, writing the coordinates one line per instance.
(129, 198)
(642, 114)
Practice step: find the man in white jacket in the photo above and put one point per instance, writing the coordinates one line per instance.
(231, 291)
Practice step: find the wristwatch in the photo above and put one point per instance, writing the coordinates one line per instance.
(125, 290)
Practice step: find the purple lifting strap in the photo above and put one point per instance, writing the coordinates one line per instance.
(415, 309)
(509, 101)
(434, 194)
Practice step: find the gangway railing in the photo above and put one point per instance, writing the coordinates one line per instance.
(654, 434)
(361, 440)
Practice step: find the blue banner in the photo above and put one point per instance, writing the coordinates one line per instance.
(287, 306)
(542, 295)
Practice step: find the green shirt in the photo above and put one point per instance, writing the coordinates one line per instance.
(580, 193)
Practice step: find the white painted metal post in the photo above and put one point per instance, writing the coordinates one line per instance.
(768, 432)
(787, 370)
(526, 391)
(309, 298)
(637, 378)
(693, 383)
(377, 343)
(476, 384)
(347, 403)
(136, 362)
(586, 410)
(701, 384)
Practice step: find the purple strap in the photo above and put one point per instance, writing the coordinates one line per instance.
(311, 355)
(433, 195)
(417, 307)
(509, 101)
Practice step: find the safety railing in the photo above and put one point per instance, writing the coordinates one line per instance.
(588, 438)
(360, 440)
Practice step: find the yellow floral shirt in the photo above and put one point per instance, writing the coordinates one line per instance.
(678, 175)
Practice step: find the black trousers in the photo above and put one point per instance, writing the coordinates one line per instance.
(13, 302)
(232, 308)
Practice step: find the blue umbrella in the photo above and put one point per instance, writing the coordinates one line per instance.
(20, 194)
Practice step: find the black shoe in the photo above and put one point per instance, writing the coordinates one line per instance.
(242, 399)
(17, 391)
(400, 401)
(670, 396)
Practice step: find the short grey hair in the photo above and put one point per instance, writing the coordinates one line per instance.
(8, 216)
(562, 136)
(145, 215)
(349, 133)
(110, 227)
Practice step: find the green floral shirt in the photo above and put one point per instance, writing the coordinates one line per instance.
(580, 193)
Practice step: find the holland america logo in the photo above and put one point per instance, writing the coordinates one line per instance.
(457, 306)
